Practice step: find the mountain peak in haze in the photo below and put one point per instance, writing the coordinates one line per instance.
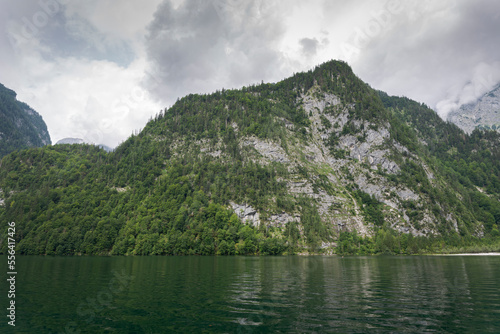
(481, 114)
(71, 141)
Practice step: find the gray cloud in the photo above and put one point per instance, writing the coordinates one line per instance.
(61, 32)
(433, 52)
(309, 46)
(201, 46)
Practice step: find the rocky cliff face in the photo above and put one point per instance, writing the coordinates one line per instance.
(482, 114)
(20, 125)
(341, 154)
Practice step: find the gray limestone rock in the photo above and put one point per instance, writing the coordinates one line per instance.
(269, 150)
(246, 213)
(483, 113)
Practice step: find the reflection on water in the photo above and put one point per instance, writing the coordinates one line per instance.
(313, 294)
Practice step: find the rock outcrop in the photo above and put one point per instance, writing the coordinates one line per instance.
(246, 213)
(483, 113)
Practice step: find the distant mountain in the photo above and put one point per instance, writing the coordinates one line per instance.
(70, 141)
(20, 126)
(482, 114)
(81, 141)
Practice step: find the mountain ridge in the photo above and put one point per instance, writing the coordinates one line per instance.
(319, 162)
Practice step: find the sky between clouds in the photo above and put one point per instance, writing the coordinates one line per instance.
(99, 69)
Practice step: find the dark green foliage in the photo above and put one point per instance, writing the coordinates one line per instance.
(372, 208)
(292, 234)
(388, 241)
(325, 122)
(314, 230)
(64, 202)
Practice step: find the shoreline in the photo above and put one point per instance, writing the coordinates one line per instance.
(468, 254)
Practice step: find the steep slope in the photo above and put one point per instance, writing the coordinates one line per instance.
(20, 126)
(483, 113)
(304, 165)
(467, 165)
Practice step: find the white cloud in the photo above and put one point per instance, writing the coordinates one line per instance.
(97, 101)
(61, 69)
(484, 77)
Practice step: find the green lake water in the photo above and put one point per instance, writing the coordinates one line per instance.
(290, 294)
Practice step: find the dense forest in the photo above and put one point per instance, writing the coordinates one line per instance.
(169, 189)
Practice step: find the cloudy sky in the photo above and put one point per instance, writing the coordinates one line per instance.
(99, 69)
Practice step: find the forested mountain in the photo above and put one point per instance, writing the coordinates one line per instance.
(482, 114)
(319, 162)
(20, 126)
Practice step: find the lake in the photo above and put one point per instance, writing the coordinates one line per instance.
(288, 294)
